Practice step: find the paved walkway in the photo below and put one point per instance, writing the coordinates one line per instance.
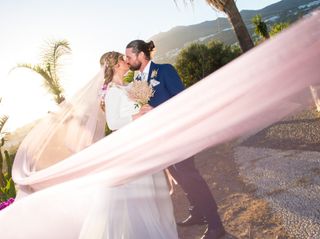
(290, 181)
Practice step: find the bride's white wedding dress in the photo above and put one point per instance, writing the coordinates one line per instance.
(136, 210)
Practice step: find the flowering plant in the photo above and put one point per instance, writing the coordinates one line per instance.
(103, 91)
(6, 203)
(140, 91)
(102, 95)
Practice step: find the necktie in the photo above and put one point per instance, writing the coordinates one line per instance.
(139, 77)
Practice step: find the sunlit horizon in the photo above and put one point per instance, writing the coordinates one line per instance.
(91, 29)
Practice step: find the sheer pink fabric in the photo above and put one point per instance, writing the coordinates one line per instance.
(249, 93)
(77, 124)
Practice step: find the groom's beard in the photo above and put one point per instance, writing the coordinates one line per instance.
(135, 67)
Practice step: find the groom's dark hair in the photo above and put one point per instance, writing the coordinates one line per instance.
(142, 46)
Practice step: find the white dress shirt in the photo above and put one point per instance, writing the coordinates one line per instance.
(145, 73)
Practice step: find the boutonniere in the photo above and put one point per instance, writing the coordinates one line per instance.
(154, 73)
(153, 81)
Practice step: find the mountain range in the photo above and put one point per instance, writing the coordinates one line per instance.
(169, 44)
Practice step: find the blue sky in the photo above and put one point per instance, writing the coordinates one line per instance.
(92, 28)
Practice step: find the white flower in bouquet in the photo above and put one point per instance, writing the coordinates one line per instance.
(141, 92)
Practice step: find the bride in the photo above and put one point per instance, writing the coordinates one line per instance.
(139, 209)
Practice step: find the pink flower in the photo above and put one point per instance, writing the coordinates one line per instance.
(6, 203)
(104, 87)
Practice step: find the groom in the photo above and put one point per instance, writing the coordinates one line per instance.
(166, 84)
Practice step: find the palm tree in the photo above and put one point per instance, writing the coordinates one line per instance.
(50, 67)
(278, 27)
(3, 120)
(261, 27)
(230, 9)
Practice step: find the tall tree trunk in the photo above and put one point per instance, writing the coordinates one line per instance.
(240, 29)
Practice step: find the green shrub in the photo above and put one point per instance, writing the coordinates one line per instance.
(7, 187)
(199, 60)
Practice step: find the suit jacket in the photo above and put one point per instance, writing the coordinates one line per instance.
(165, 81)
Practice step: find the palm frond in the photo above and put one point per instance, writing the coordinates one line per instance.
(37, 69)
(3, 120)
(50, 65)
(217, 4)
(186, 2)
(52, 54)
(49, 82)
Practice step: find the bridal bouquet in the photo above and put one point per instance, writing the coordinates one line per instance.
(140, 91)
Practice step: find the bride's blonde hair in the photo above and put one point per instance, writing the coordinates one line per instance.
(110, 59)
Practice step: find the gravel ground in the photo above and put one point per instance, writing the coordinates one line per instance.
(301, 131)
(290, 181)
(283, 162)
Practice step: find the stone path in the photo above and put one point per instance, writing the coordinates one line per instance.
(290, 181)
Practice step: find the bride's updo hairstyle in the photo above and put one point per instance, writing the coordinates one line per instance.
(141, 46)
(110, 59)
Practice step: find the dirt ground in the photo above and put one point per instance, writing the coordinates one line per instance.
(243, 214)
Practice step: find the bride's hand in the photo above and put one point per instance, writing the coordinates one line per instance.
(143, 110)
(146, 108)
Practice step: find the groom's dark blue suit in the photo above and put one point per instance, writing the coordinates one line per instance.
(166, 84)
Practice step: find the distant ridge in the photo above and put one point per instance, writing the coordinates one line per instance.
(168, 44)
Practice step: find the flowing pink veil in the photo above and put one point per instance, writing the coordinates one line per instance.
(78, 123)
(255, 90)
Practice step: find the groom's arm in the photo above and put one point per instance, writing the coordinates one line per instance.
(172, 80)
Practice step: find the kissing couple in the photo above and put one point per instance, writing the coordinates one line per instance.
(124, 204)
(145, 205)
